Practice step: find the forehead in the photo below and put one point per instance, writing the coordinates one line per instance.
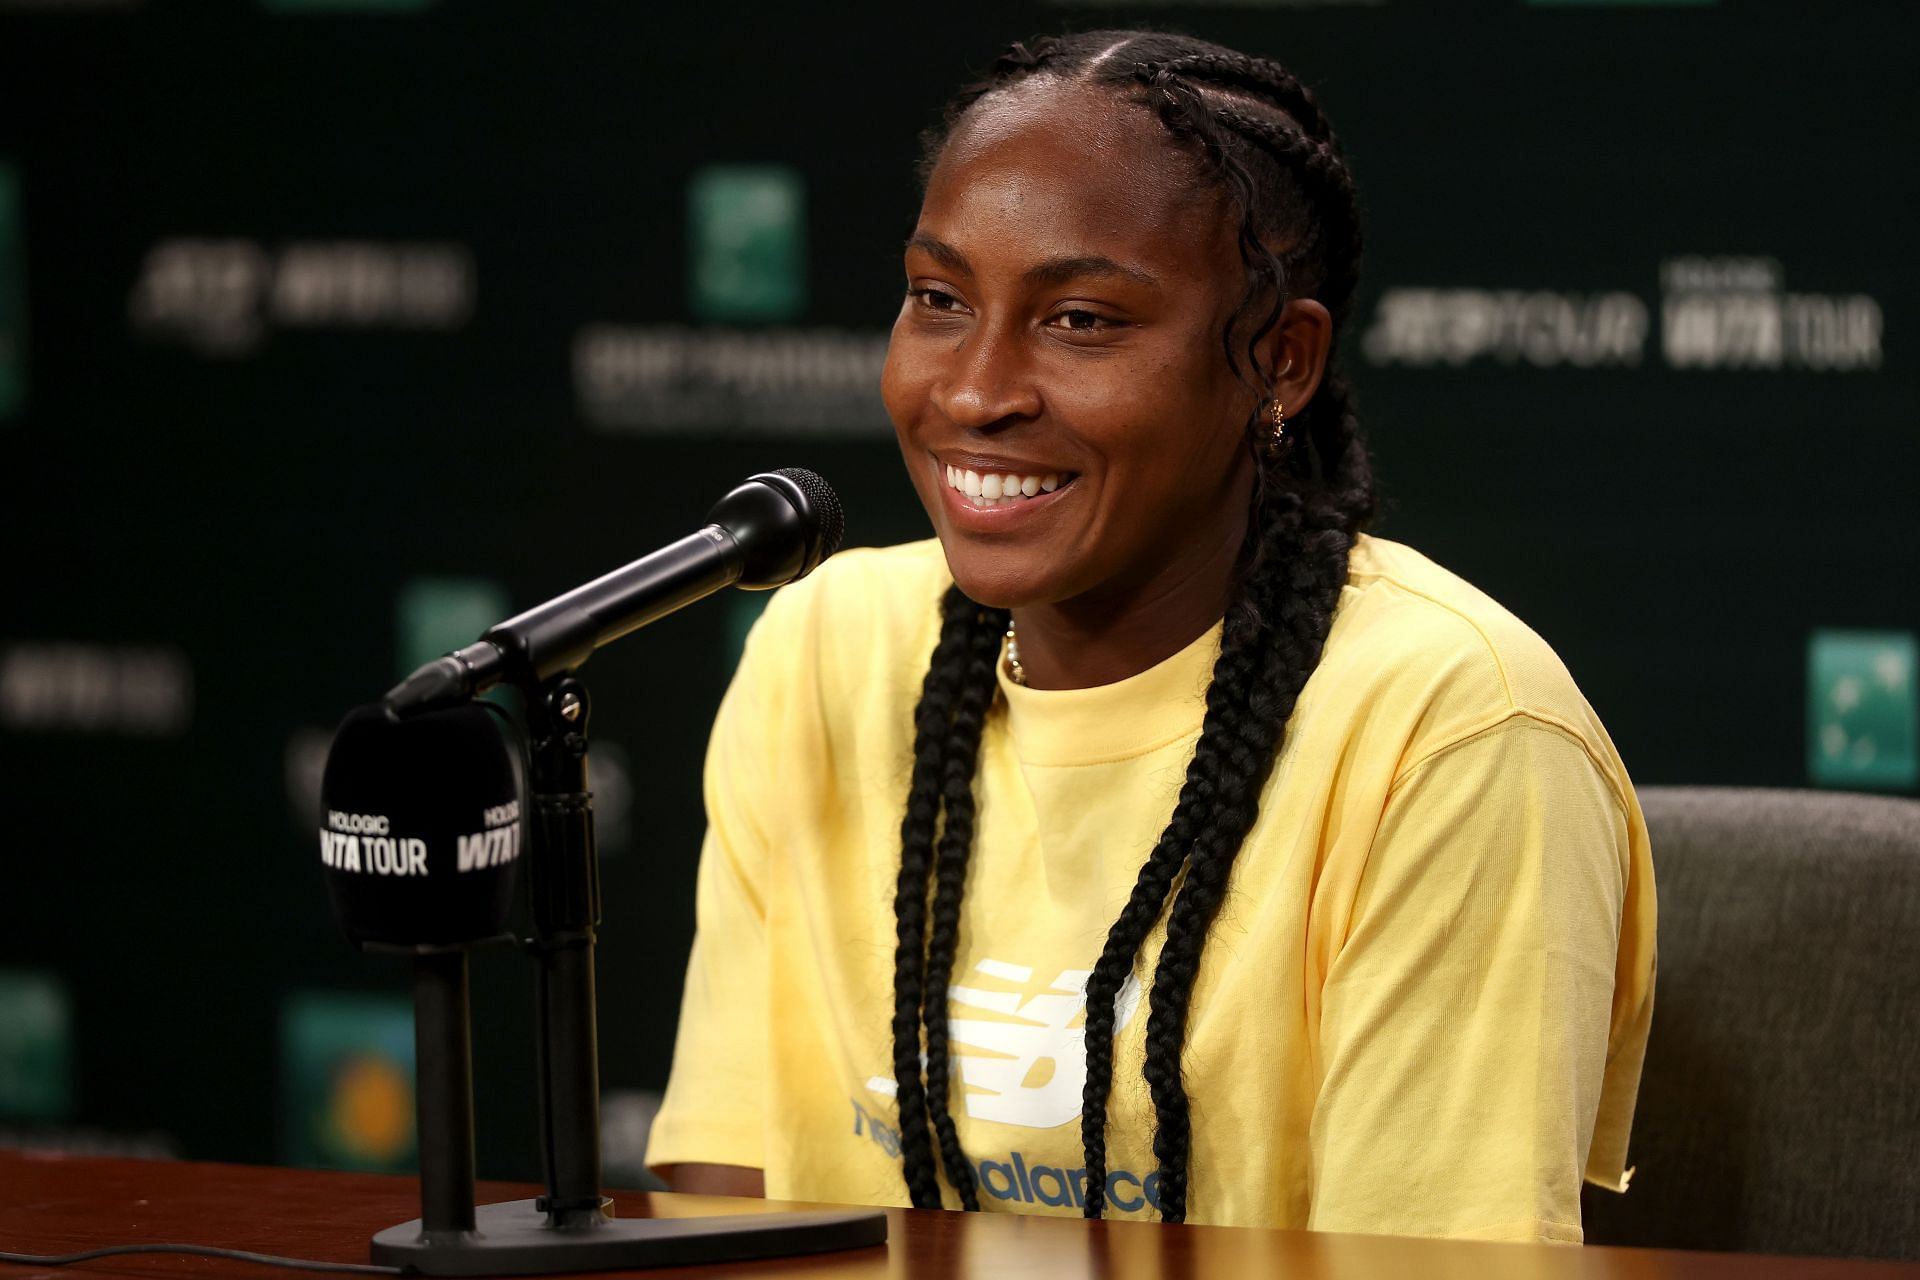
(1051, 169)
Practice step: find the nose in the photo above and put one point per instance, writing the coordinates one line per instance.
(988, 383)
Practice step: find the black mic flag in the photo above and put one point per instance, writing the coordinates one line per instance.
(422, 822)
(772, 529)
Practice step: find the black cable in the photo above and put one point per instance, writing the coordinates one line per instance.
(199, 1250)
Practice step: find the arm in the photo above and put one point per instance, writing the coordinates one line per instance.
(716, 1180)
(1465, 1021)
(713, 1114)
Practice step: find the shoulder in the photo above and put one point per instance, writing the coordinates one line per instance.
(861, 624)
(863, 594)
(1447, 662)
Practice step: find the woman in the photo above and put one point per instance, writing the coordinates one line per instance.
(1164, 720)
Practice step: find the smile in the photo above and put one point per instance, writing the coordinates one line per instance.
(1002, 489)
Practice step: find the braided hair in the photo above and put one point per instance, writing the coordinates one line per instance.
(1259, 135)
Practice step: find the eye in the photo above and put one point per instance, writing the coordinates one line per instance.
(1082, 320)
(936, 300)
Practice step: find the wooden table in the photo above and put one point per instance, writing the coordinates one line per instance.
(60, 1205)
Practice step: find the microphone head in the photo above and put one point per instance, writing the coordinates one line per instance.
(421, 824)
(785, 523)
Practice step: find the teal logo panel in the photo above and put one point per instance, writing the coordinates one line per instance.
(1861, 709)
(743, 610)
(747, 243)
(36, 1046)
(434, 616)
(347, 1082)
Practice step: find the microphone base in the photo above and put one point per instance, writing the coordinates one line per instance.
(517, 1238)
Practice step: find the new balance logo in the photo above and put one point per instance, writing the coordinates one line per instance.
(1020, 1045)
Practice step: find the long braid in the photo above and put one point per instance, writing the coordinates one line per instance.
(1269, 644)
(933, 721)
(977, 687)
(1263, 137)
(1136, 921)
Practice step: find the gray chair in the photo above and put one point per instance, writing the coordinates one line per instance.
(1780, 1107)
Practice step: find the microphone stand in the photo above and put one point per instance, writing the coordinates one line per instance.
(571, 1227)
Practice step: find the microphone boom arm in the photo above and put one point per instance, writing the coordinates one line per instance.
(764, 533)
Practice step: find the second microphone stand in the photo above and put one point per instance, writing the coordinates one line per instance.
(571, 1227)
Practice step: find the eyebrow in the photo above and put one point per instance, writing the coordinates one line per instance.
(1051, 272)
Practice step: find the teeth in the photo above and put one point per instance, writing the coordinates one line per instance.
(993, 489)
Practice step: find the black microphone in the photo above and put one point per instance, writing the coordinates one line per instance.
(774, 528)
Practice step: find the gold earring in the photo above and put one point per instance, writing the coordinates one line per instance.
(1278, 440)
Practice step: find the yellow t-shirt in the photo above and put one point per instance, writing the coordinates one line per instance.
(1421, 1009)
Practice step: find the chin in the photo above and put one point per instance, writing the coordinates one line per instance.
(998, 579)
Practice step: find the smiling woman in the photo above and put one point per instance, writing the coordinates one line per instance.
(1166, 719)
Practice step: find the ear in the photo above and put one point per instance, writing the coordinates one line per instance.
(1294, 355)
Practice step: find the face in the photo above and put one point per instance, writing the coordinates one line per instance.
(1056, 376)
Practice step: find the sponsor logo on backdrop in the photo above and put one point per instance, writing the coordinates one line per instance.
(1863, 711)
(626, 1121)
(434, 616)
(1714, 313)
(677, 378)
(13, 295)
(746, 268)
(136, 690)
(747, 243)
(1424, 327)
(610, 779)
(224, 296)
(743, 610)
(36, 1046)
(347, 1081)
(1735, 313)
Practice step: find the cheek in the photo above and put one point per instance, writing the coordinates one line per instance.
(903, 390)
(903, 381)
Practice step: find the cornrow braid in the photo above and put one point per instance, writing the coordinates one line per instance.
(1319, 164)
(1262, 78)
(1262, 136)
(1020, 60)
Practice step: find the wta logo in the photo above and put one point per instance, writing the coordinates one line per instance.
(365, 842)
(498, 844)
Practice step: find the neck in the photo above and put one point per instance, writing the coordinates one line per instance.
(1119, 632)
